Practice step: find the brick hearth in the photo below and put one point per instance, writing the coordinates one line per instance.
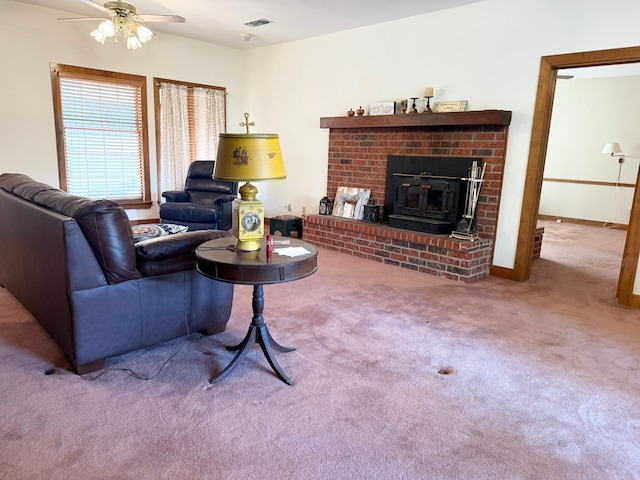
(435, 254)
(358, 150)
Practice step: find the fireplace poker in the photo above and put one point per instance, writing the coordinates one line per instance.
(469, 182)
(472, 187)
(476, 193)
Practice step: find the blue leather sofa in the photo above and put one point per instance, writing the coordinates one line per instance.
(71, 261)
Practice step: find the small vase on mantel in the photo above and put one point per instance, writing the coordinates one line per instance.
(351, 113)
(360, 111)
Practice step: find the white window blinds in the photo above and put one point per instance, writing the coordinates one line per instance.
(102, 126)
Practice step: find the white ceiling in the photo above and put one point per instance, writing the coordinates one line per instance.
(222, 21)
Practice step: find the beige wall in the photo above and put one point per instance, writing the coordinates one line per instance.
(587, 114)
(487, 53)
(31, 38)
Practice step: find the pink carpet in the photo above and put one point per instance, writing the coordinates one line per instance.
(397, 375)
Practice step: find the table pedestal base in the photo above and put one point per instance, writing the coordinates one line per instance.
(258, 333)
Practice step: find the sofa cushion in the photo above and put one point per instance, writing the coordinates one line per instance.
(9, 181)
(61, 202)
(30, 189)
(203, 198)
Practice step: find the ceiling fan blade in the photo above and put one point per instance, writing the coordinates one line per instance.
(95, 5)
(80, 19)
(161, 18)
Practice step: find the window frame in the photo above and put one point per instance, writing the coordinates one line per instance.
(136, 81)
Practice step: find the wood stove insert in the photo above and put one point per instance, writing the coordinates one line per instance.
(426, 194)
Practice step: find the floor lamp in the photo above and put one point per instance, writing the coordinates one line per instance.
(614, 150)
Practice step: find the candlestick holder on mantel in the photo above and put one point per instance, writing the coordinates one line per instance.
(427, 108)
(428, 94)
(414, 109)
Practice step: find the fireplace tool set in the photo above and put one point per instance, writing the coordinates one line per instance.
(466, 227)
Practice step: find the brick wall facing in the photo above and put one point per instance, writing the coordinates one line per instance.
(537, 243)
(358, 158)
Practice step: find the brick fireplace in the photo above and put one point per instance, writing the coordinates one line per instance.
(358, 151)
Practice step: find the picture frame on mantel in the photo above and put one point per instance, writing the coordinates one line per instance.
(382, 108)
(450, 106)
(350, 202)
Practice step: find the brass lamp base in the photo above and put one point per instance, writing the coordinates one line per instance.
(247, 245)
(250, 226)
(248, 191)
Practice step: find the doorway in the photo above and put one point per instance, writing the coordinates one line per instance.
(549, 67)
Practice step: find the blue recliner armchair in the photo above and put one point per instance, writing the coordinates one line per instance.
(204, 204)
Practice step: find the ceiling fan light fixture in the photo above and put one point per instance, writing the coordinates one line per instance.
(143, 33)
(124, 21)
(106, 29)
(135, 33)
(133, 43)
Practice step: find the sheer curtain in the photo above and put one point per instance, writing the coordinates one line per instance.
(209, 118)
(174, 137)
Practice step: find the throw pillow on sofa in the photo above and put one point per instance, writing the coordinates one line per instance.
(148, 231)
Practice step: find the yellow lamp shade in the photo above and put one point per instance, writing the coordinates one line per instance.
(247, 157)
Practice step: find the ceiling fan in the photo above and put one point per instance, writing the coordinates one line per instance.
(123, 18)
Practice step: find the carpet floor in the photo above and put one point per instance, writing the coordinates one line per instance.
(397, 375)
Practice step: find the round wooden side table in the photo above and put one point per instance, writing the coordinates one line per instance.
(217, 259)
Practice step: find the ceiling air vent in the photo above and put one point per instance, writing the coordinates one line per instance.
(259, 22)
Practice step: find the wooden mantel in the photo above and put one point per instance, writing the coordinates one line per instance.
(479, 117)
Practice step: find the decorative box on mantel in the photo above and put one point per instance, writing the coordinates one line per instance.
(359, 148)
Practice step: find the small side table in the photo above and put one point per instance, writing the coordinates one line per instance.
(218, 259)
(286, 224)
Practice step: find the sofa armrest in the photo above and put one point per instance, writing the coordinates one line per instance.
(175, 245)
(176, 196)
(225, 199)
(173, 253)
(225, 202)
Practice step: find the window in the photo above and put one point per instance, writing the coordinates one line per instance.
(189, 120)
(101, 132)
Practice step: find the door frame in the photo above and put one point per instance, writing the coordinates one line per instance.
(549, 66)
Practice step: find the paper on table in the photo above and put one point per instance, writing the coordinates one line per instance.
(292, 251)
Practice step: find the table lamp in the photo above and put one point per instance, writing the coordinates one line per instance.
(247, 157)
